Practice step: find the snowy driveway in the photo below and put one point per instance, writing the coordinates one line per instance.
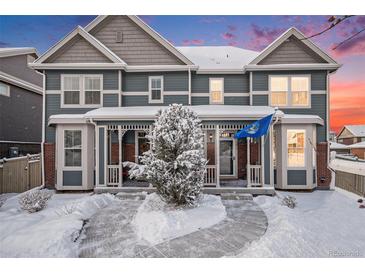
(110, 234)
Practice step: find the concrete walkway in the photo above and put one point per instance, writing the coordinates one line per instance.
(110, 234)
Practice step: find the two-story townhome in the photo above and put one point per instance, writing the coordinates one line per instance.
(105, 83)
(351, 134)
(21, 95)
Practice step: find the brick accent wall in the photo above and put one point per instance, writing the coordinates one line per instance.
(359, 152)
(128, 152)
(322, 170)
(49, 165)
(242, 160)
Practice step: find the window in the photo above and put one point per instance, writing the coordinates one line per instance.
(4, 89)
(156, 89)
(289, 91)
(72, 148)
(216, 89)
(296, 147)
(81, 90)
(142, 144)
(71, 90)
(92, 90)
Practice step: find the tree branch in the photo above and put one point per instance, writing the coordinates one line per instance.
(338, 21)
(348, 39)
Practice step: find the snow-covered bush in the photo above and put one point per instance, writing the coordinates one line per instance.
(289, 201)
(175, 163)
(34, 200)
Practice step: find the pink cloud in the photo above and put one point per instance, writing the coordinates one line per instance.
(194, 42)
(228, 36)
(353, 47)
(232, 28)
(260, 37)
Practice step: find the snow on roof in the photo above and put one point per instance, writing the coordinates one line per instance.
(334, 145)
(356, 130)
(219, 57)
(350, 166)
(5, 52)
(302, 118)
(357, 145)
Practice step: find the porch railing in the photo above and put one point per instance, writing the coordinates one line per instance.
(255, 175)
(113, 175)
(211, 176)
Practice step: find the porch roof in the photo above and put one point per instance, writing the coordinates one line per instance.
(204, 112)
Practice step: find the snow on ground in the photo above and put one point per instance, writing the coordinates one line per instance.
(324, 224)
(156, 221)
(51, 232)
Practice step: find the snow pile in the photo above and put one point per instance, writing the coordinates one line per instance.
(323, 224)
(350, 166)
(51, 232)
(156, 221)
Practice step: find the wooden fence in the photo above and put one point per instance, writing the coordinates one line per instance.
(20, 174)
(351, 182)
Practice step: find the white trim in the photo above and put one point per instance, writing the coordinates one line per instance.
(200, 94)
(135, 93)
(120, 88)
(289, 104)
(88, 37)
(260, 92)
(7, 52)
(318, 92)
(236, 94)
(57, 66)
(292, 31)
(81, 103)
(210, 91)
(250, 79)
(10, 79)
(43, 174)
(147, 29)
(221, 71)
(176, 92)
(292, 67)
(19, 142)
(7, 89)
(189, 86)
(155, 101)
(53, 92)
(111, 91)
(150, 68)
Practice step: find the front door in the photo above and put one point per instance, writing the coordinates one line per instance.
(227, 157)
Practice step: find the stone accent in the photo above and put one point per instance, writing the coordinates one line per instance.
(322, 170)
(49, 165)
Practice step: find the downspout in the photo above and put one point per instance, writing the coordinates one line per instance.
(43, 129)
(189, 73)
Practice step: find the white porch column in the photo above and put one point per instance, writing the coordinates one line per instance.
(120, 156)
(217, 162)
(262, 160)
(248, 162)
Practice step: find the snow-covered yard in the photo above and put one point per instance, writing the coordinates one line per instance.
(324, 224)
(52, 232)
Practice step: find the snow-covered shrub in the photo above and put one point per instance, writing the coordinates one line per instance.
(34, 200)
(2, 200)
(289, 201)
(66, 209)
(175, 163)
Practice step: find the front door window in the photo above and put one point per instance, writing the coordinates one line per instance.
(226, 157)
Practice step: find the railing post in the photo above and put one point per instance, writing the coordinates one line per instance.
(248, 163)
(120, 155)
(217, 162)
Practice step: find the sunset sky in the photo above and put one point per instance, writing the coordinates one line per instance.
(250, 32)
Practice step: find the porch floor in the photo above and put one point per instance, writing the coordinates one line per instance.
(223, 183)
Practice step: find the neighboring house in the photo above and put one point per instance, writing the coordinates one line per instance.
(339, 148)
(351, 134)
(358, 149)
(20, 103)
(105, 83)
(332, 136)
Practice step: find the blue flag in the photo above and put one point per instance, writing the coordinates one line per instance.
(256, 129)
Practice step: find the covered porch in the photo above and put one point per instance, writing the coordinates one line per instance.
(232, 164)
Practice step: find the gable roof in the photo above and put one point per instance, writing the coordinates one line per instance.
(154, 34)
(355, 130)
(92, 40)
(20, 83)
(282, 38)
(7, 52)
(221, 58)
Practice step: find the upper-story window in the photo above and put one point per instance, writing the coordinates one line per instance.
(155, 87)
(216, 89)
(4, 89)
(81, 90)
(289, 91)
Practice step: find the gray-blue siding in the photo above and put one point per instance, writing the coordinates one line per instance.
(234, 83)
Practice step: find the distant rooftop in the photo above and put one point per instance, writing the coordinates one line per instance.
(6, 52)
(356, 130)
(219, 57)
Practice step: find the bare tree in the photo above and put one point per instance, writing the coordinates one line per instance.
(333, 22)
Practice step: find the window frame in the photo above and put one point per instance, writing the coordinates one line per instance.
(298, 167)
(289, 93)
(210, 91)
(7, 89)
(150, 89)
(82, 91)
(65, 167)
